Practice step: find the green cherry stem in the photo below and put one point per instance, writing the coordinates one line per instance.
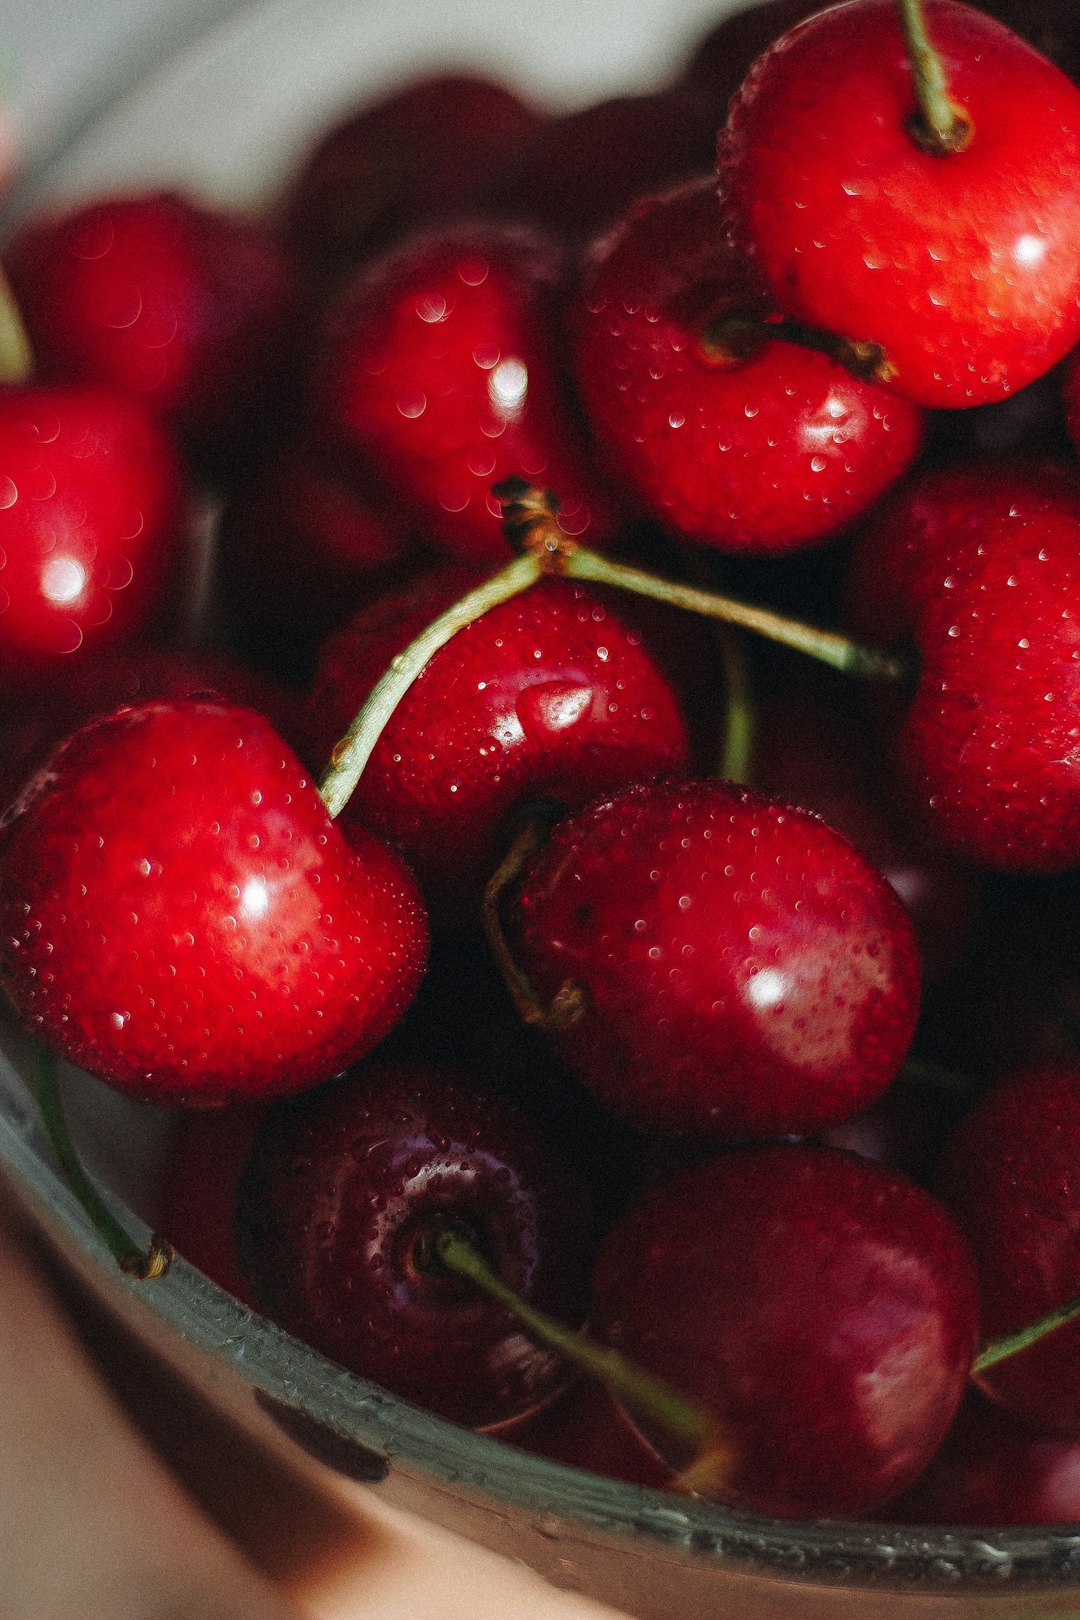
(16, 355)
(354, 750)
(693, 1435)
(939, 126)
(143, 1264)
(1010, 1344)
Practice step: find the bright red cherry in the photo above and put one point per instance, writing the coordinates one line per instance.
(440, 368)
(743, 971)
(342, 1195)
(728, 431)
(979, 566)
(94, 525)
(963, 266)
(823, 1307)
(180, 916)
(1010, 1177)
(561, 693)
(180, 303)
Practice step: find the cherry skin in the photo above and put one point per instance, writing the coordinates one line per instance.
(94, 526)
(965, 266)
(995, 1469)
(337, 1207)
(823, 1307)
(978, 566)
(441, 368)
(743, 970)
(753, 444)
(556, 694)
(180, 303)
(181, 917)
(196, 1203)
(1009, 1176)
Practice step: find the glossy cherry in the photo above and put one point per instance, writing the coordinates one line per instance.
(979, 566)
(557, 694)
(824, 1308)
(730, 432)
(1009, 1176)
(181, 917)
(741, 970)
(964, 266)
(337, 1209)
(441, 368)
(94, 526)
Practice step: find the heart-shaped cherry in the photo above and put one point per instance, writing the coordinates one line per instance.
(822, 1307)
(181, 917)
(736, 967)
(338, 1207)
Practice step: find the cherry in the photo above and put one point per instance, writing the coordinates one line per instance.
(1009, 1176)
(440, 368)
(556, 694)
(963, 265)
(180, 303)
(586, 1429)
(94, 526)
(729, 431)
(993, 1469)
(180, 916)
(979, 565)
(433, 148)
(337, 1210)
(736, 968)
(196, 1205)
(822, 1307)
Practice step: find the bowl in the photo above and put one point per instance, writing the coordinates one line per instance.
(223, 99)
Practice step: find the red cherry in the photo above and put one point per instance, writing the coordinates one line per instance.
(436, 147)
(994, 1469)
(196, 1206)
(1009, 1175)
(94, 525)
(965, 266)
(823, 1307)
(337, 1206)
(182, 304)
(586, 1429)
(979, 565)
(440, 368)
(180, 916)
(555, 694)
(743, 970)
(756, 451)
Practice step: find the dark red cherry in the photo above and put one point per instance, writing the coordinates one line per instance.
(742, 970)
(823, 1307)
(1010, 1177)
(730, 432)
(196, 1203)
(964, 266)
(337, 1210)
(441, 369)
(556, 694)
(180, 916)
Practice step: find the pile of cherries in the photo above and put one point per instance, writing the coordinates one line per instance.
(501, 924)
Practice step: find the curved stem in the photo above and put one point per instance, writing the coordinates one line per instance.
(692, 1434)
(569, 1003)
(736, 337)
(939, 126)
(143, 1264)
(16, 355)
(354, 750)
(828, 646)
(737, 749)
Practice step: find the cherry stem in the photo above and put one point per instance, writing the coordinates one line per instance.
(686, 1428)
(939, 126)
(919, 1071)
(1010, 1344)
(828, 646)
(736, 337)
(143, 1264)
(16, 355)
(568, 1004)
(354, 750)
